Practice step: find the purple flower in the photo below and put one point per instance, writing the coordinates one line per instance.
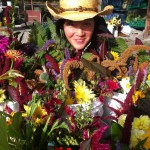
(4, 43)
(47, 44)
(67, 54)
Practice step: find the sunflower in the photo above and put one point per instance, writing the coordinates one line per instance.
(115, 55)
(39, 115)
(82, 93)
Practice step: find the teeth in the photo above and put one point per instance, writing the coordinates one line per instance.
(79, 40)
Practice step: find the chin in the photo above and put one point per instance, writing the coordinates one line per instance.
(79, 48)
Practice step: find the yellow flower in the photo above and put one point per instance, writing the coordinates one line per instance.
(148, 77)
(115, 55)
(140, 130)
(147, 135)
(138, 95)
(121, 119)
(2, 95)
(82, 93)
(142, 123)
(39, 115)
(136, 136)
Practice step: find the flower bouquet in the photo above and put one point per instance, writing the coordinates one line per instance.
(48, 98)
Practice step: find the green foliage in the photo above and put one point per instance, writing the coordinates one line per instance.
(61, 42)
(68, 140)
(143, 56)
(15, 128)
(11, 135)
(115, 131)
(57, 54)
(3, 132)
(38, 34)
(120, 46)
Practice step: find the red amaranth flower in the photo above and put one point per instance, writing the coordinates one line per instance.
(96, 137)
(53, 63)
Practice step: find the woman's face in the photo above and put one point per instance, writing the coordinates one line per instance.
(79, 33)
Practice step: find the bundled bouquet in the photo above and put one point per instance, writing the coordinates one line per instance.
(48, 98)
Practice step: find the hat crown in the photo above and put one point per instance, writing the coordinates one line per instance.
(65, 4)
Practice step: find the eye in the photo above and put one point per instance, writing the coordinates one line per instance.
(69, 23)
(88, 23)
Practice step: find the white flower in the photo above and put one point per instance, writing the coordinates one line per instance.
(125, 84)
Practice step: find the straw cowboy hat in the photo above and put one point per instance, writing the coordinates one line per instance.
(77, 10)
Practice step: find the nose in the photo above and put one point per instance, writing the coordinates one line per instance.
(80, 32)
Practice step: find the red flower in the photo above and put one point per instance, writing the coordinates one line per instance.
(112, 85)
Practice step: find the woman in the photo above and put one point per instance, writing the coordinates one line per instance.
(81, 22)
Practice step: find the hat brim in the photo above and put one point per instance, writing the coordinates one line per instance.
(76, 15)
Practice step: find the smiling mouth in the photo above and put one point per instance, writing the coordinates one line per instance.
(80, 40)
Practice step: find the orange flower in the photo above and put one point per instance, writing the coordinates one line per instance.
(14, 54)
(147, 135)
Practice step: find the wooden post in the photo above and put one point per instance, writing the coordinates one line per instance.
(147, 22)
(32, 5)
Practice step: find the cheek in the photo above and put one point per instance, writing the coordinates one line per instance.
(90, 33)
(68, 32)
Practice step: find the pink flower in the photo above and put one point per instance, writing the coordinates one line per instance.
(4, 42)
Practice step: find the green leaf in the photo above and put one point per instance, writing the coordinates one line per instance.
(139, 146)
(54, 126)
(3, 134)
(29, 135)
(43, 136)
(120, 46)
(116, 134)
(15, 127)
(87, 55)
(64, 126)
